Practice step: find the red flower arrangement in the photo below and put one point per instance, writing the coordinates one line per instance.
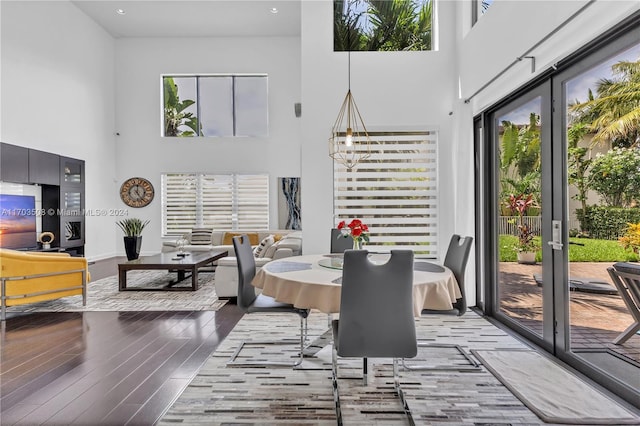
(356, 230)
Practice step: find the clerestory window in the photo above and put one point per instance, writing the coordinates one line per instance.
(215, 105)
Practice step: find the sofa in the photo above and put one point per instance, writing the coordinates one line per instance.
(29, 277)
(285, 243)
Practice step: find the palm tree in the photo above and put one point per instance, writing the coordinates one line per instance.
(347, 35)
(615, 111)
(399, 25)
(391, 25)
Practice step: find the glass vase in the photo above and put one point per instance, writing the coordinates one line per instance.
(357, 244)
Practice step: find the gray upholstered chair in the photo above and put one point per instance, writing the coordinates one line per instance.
(338, 242)
(456, 259)
(252, 303)
(626, 278)
(376, 314)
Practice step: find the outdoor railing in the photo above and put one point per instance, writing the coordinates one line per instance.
(508, 225)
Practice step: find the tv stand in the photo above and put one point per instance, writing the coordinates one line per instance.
(62, 180)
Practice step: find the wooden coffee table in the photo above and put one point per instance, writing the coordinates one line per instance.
(169, 261)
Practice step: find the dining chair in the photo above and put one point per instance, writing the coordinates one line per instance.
(252, 303)
(626, 278)
(338, 242)
(456, 259)
(376, 315)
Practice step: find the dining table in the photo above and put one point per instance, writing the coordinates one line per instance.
(315, 282)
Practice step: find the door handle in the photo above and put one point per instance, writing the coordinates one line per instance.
(556, 235)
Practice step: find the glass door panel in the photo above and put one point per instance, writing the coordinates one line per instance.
(517, 130)
(602, 142)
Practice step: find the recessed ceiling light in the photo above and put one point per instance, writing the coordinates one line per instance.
(120, 11)
(274, 10)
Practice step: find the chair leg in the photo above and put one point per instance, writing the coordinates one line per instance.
(334, 382)
(473, 365)
(626, 335)
(403, 401)
(233, 363)
(365, 371)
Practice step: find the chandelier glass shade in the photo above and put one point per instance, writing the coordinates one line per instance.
(349, 143)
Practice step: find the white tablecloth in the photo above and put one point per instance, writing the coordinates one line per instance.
(301, 281)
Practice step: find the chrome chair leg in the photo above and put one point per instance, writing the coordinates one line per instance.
(334, 382)
(233, 363)
(473, 365)
(403, 401)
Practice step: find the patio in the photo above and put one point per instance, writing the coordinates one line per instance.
(596, 319)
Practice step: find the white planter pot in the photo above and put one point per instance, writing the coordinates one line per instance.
(527, 257)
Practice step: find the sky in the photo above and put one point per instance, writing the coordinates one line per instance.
(578, 87)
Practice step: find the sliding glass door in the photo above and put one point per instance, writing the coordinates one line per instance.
(521, 139)
(600, 201)
(561, 166)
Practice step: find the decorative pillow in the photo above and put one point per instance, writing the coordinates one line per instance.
(263, 246)
(201, 236)
(270, 251)
(227, 240)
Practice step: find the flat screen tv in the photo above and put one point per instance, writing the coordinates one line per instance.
(18, 221)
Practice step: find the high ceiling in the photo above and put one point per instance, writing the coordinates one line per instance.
(187, 18)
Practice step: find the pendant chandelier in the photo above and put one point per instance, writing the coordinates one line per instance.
(349, 143)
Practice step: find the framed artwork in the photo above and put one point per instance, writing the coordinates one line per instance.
(289, 212)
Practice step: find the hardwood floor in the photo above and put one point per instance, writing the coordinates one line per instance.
(108, 368)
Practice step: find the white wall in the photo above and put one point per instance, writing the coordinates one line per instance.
(508, 30)
(141, 151)
(393, 90)
(512, 27)
(58, 96)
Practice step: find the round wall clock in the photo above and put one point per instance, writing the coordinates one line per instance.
(136, 192)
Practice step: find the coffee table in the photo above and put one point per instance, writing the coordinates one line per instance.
(170, 262)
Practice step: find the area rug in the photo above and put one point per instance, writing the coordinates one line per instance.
(103, 295)
(221, 395)
(554, 393)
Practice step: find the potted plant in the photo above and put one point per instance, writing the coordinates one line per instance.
(527, 246)
(132, 228)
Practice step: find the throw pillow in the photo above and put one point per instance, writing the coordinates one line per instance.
(270, 251)
(263, 246)
(227, 240)
(201, 236)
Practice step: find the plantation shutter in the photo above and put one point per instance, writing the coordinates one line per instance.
(179, 203)
(218, 202)
(253, 201)
(394, 192)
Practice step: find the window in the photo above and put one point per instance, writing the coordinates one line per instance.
(200, 200)
(399, 25)
(215, 106)
(394, 192)
(480, 7)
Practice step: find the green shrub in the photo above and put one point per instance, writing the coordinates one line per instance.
(607, 223)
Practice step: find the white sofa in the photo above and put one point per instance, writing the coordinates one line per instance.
(289, 243)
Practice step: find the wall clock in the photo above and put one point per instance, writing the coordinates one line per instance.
(136, 192)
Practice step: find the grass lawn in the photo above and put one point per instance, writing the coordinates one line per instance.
(585, 250)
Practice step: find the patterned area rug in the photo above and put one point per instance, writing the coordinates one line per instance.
(268, 396)
(103, 295)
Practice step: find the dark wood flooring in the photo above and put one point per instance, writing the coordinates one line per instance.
(103, 368)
